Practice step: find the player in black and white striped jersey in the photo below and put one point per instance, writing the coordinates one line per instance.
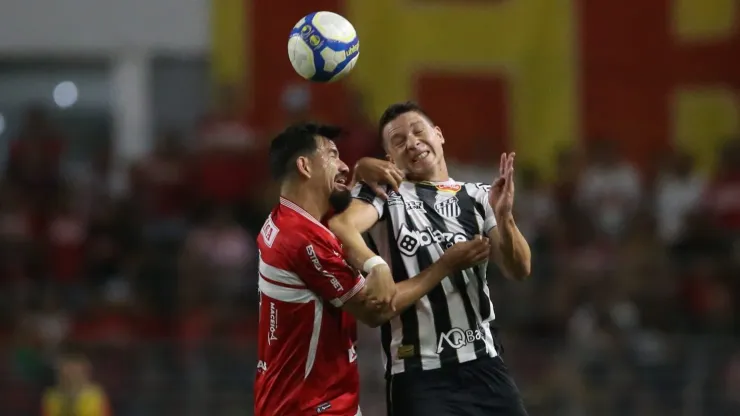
(444, 343)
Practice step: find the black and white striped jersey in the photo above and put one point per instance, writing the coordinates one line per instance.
(452, 324)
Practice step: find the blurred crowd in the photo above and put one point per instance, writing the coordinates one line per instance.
(630, 310)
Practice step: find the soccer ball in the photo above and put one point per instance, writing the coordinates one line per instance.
(323, 47)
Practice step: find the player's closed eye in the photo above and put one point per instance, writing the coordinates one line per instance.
(398, 141)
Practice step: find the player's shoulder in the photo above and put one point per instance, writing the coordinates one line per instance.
(285, 230)
(475, 187)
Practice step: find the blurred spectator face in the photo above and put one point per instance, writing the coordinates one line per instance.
(414, 144)
(74, 371)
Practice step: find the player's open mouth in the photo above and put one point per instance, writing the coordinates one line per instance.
(420, 156)
(340, 183)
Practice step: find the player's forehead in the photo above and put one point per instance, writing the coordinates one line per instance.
(404, 123)
(325, 145)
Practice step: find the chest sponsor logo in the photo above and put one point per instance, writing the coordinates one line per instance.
(415, 206)
(261, 366)
(449, 188)
(410, 241)
(457, 338)
(449, 207)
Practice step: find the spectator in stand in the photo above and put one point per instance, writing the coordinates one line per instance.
(723, 196)
(609, 190)
(679, 189)
(361, 138)
(226, 166)
(65, 249)
(160, 189)
(75, 392)
(35, 154)
(223, 253)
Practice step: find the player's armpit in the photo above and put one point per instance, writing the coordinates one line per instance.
(348, 226)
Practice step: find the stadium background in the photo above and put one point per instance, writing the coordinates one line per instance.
(132, 142)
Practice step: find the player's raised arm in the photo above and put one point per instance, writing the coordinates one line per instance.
(509, 248)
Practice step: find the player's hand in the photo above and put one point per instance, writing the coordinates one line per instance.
(380, 287)
(377, 172)
(466, 254)
(501, 196)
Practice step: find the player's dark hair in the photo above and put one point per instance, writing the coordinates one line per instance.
(396, 110)
(297, 140)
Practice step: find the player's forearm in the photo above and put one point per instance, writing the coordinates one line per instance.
(355, 249)
(411, 290)
(514, 255)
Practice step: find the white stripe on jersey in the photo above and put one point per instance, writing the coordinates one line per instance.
(295, 293)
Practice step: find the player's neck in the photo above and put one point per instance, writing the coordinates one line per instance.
(310, 201)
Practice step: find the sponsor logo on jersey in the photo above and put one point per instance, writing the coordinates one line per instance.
(317, 265)
(457, 338)
(323, 407)
(352, 354)
(449, 207)
(273, 324)
(394, 199)
(483, 186)
(261, 366)
(415, 206)
(449, 187)
(269, 232)
(405, 351)
(410, 241)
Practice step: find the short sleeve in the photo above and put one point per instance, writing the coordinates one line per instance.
(326, 273)
(365, 193)
(480, 193)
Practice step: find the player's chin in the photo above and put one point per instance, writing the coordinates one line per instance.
(340, 187)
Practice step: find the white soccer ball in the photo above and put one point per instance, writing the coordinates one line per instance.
(323, 47)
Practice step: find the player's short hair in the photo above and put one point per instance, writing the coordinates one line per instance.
(297, 140)
(396, 110)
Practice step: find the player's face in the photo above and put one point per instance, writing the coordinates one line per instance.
(414, 144)
(333, 174)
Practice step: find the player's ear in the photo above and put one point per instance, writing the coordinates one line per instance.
(303, 164)
(438, 132)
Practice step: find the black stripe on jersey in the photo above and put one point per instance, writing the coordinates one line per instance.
(409, 320)
(468, 206)
(428, 196)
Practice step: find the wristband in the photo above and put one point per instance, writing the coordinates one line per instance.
(372, 262)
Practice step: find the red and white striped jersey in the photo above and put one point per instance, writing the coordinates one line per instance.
(307, 360)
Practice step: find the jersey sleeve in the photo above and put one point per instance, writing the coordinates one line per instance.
(325, 272)
(480, 193)
(365, 193)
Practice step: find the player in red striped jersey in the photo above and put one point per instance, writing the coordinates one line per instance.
(309, 295)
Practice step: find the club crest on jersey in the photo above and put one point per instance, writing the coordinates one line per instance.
(449, 207)
(452, 188)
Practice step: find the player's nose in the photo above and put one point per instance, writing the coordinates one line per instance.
(342, 167)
